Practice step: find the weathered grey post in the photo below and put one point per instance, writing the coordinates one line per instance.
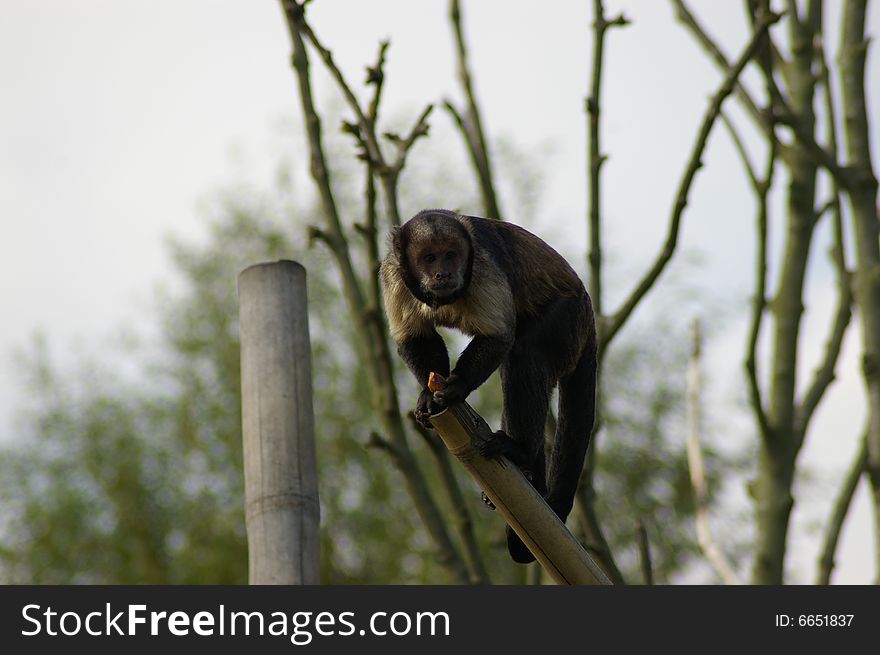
(281, 483)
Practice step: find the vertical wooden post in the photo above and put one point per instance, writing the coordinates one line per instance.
(281, 482)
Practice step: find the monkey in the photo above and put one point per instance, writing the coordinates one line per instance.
(529, 316)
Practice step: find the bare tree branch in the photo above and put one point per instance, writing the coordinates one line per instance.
(743, 153)
(586, 496)
(594, 539)
(379, 442)
(761, 187)
(372, 336)
(782, 113)
(370, 232)
(687, 18)
(644, 553)
(354, 104)
(792, 11)
(695, 463)
(617, 320)
(862, 196)
(391, 173)
(419, 129)
(534, 574)
(594, 155)
(824, 374)
(472, 125)
(471, 146)
(839, 511)
(778, 448)
(388, 173)
(376, 77)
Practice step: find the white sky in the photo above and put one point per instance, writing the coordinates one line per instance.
(118, 117)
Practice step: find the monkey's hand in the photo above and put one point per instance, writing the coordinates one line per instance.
(453, 393)
(425, 407)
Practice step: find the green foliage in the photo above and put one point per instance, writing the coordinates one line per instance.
(643, 471)
(116, 482)
(128, 466)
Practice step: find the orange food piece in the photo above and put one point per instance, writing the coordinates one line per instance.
(436, 382)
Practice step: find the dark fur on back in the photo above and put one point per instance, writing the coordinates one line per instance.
(534, 268)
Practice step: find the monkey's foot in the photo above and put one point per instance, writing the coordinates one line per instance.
(500, 445)
(488, 501)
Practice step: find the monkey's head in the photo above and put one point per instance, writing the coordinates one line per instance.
(436, 256)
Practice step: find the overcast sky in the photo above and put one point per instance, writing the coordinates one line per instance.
(119, 118)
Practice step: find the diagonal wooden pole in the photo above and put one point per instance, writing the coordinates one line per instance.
(564, 559)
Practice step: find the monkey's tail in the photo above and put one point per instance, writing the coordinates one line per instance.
(577, 408)
(517, 549)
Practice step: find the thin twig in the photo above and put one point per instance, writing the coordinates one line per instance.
(371, 236)
(388, 173)
(472, 129)
(687, 18)
(381, 443)
(595, 156)
(373, 149)
(761, 187)
(335, 234)
(839, 511)
(865, 221)
(472, 149)
(827, 206)
(617, 320)
(391, 173)
(782, 111)
(741, 149)
(793, 12)
(534, 574)
(419, 129)
(695, 464)
(594, 539)
(824, 374)
(644, 553)
(376, 77)
(586, 498)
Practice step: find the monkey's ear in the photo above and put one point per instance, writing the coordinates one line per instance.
(396, 237)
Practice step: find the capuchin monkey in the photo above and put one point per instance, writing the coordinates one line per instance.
(529, 316)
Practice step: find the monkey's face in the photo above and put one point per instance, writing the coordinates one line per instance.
(439, 265)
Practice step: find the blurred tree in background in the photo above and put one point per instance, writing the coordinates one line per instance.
(128, 464)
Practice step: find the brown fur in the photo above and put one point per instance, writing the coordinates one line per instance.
(490, 308)
(487, 308)
(530, 317)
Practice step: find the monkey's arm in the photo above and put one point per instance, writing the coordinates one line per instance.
(479, 360)
(491, 318)
(423, 354)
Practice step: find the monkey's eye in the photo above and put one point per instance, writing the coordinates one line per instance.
(450, 254)
(430, 258)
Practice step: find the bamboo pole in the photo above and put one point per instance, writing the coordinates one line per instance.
(281, 483)
(564, 559)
